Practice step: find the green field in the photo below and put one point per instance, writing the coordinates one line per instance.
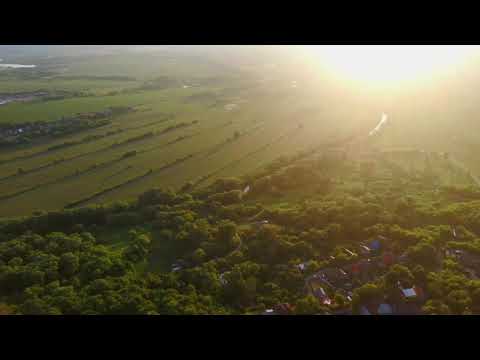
(271, 118)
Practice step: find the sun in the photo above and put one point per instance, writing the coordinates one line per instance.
(391, 63)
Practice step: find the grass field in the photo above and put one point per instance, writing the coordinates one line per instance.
(271, 118)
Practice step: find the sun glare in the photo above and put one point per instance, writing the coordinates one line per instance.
(391, 63)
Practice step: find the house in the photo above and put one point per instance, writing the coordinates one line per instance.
(316, 289)
(403, 258)
(259, 224)
(351, 253)
(385, 309)
(334, 277)
(361, 269)
(388, 259)
(302, 266)
(179, 265)
(283, 309)
(409, 293)
(223, 281)
(375, 245)
(407, 308)
(468, 259)
(414, 292)
(269, 312)
(355, 269)
(345, 311)
(376, 309)
(365, 250)
(369, 309)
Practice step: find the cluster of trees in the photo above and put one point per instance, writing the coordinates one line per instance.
(233, 261)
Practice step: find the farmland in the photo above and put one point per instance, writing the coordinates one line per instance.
(194, 121)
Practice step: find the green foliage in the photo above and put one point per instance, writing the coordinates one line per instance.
(309, 306)
(364, 295)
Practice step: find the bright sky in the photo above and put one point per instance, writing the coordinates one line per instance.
(392, 63)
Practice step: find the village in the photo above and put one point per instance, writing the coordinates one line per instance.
(22, 97)
(16, 134)
(370, 263)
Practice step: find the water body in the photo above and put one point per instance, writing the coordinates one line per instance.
(16, 66)
(380, 124)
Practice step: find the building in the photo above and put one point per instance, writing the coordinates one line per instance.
(385, 309)
(376, 309)
(260, 224)
(315, 287)
(222, 279)
(334, 277)
(283, 309)
(409, 293)
(375, 245)
(407, 308)
(388, 259)
(349, 252)
(345, 311)
(468, 259)
(269, 312)
(414, 292)
(365, 250)
(302, 267)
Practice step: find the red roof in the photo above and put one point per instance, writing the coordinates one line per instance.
(418, 291)
(388, 258)
(355, 268)
(283, 308)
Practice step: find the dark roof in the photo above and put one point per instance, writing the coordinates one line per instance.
(404, 308)
(346, 311)
(375, 245)
(283, 309)
(377, 308)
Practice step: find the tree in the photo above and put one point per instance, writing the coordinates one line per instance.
(436, 307)
(35, 306)
(423, 254)
(6, 309)
(309, 305)
(458, 301)
(156, 196)
(199, 256)
(419, 275)
(69, 264)
(138, 248)
(364, 295)
(367, 170)
(475, 296)
(398, 273)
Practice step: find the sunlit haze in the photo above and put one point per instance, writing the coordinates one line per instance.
(387, 63)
